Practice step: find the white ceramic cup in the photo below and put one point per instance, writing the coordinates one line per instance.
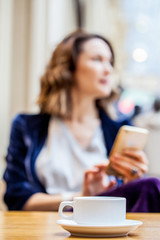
(95, 210)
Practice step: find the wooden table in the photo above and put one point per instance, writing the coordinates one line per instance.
(42, 225)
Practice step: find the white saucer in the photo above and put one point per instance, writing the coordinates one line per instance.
(121, 229)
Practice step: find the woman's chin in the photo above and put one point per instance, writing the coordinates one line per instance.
(104, 94)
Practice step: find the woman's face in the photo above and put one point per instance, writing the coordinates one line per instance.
(93, 69)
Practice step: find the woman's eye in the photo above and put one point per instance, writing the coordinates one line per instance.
(97, 59)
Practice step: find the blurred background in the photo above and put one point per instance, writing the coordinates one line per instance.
(30, 30)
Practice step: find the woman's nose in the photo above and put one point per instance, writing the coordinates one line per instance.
(108, 68)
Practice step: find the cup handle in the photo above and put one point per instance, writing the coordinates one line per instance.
(61, 207)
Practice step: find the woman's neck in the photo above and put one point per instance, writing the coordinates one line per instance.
(83, 107)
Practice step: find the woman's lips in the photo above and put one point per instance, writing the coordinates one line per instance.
(104, 81)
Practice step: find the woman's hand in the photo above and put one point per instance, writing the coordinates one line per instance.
(94, 180)
(131, 164)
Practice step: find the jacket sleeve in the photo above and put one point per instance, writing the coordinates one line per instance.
(18, 187)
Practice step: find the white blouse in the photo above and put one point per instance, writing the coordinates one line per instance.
(62, 161)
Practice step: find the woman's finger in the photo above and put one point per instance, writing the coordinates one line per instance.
(102, 165)
(130, 162)
(137, 154)
(127, 171)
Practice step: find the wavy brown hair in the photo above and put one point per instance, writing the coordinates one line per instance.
(57, 81)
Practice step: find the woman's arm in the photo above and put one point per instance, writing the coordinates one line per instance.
(19, 188)
(93, 184)
(42, 202)
(46, 202)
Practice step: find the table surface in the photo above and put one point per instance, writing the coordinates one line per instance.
(42, 225)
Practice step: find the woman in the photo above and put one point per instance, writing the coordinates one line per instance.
(62, 152)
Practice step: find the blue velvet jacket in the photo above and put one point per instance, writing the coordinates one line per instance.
(28, 135)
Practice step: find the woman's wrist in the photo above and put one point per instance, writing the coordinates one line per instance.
(68, 196)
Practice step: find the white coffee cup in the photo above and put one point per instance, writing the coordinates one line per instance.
(95, 210)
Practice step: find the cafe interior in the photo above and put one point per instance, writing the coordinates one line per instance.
(31, 29)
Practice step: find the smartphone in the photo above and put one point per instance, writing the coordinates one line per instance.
(127, 136)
